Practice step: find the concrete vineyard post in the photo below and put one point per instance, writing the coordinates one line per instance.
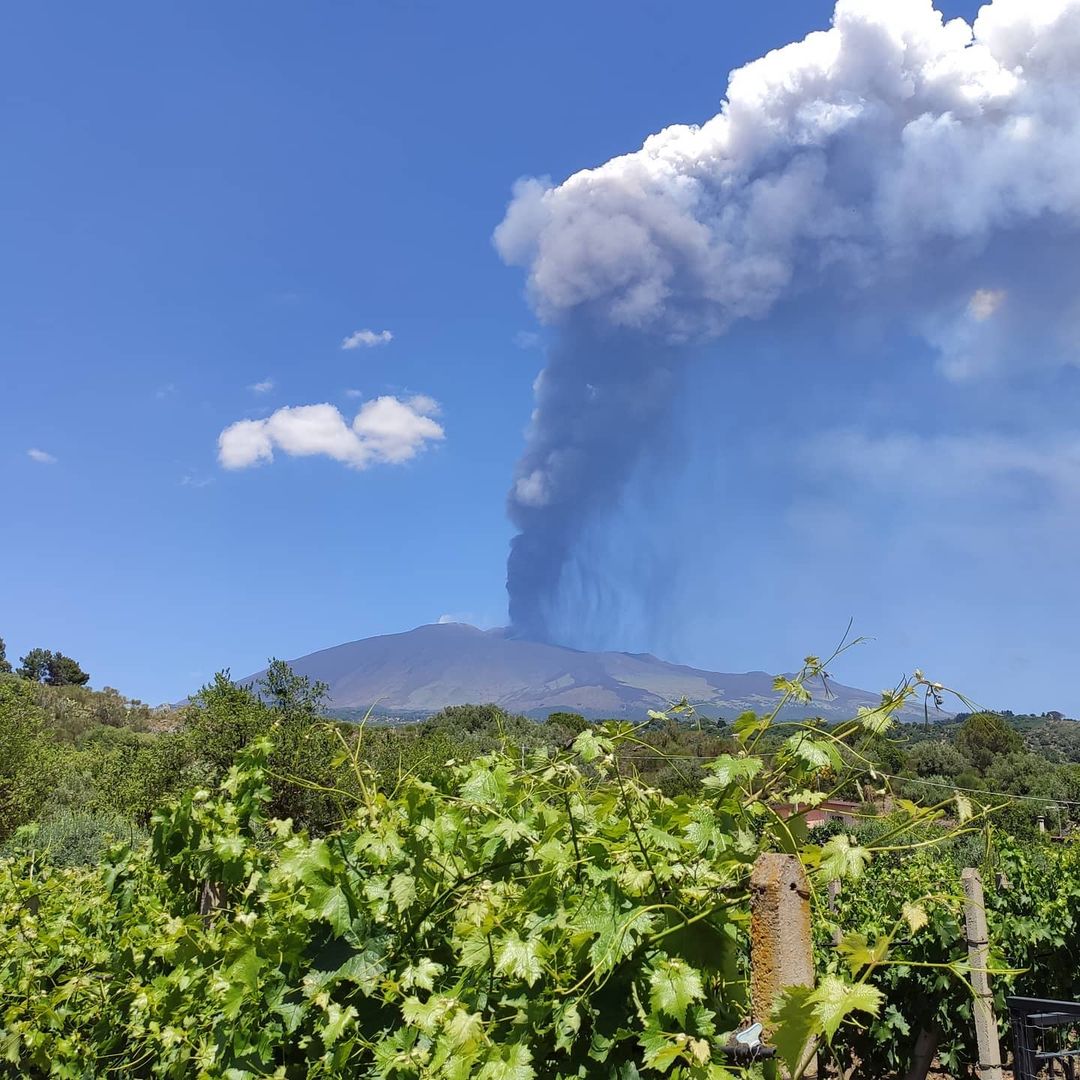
(781, 948)
(986, 1031)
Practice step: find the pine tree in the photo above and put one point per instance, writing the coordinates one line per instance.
(63, 671)
(34, 665)
(55, 669)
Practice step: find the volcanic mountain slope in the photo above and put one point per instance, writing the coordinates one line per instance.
(430, 667)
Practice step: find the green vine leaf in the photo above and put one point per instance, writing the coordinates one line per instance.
(835, 999)
(842, 857)
(794, 1026)
(519, 958)
(331, 904)
(727, 770)
(673, 986)
(512, 1062)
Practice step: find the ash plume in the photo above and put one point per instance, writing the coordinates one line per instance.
(884, 157)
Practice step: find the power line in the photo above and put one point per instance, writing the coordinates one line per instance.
(635, 755)
(980, 791)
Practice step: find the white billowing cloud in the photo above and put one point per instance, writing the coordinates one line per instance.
(395, 431)
(245, 443)
(367, 339)
(385, 430)
(42, 457)
(850, 151)
(263, 387)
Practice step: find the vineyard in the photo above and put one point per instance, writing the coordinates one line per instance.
(544, 913)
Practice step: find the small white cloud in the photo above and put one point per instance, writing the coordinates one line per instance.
(244, 444)
(386, 430)
(425, 405)
(984, 302)
(527, 339)
(263, 387)
(351, 393)
(192, 481)
(395, 431)
(367, 339)
(466, 618)
(533, 490)
(42, 457)
(165, 391)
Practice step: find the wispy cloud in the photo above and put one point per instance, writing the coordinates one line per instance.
(387, 430)
(263, 387)
(527, 339)
(192, 481)
(367, 339)
(353, 393)
(984, 302)
(165, 391)
(945, 468)
(42, 457)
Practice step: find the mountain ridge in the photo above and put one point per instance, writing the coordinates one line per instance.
(439, 664)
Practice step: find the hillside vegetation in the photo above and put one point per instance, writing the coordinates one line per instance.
(87, 765)
(241, 887)
(334, 907)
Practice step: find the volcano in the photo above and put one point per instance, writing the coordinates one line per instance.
(425, 669)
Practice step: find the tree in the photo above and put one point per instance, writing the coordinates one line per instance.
(27, 757)
(936, 759)
(1021, 773)
(55, 669)
(571, 721)
(291, 693)
(61, 670)
(307, 782)
(34, 665)
(5, 664)
(984, 737)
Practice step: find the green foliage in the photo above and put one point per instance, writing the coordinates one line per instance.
(73, 712)
(290, 693)
(75, 837)
(936, 759)
(901, 930)
(1051, 736)
(503, 918)
(63, 671)
(5, 664)
(671, 751)
(572, 722)
(34, 665)
(308, 783)
(479, 895)
(27, 761)
(984, 737)
(53, 668)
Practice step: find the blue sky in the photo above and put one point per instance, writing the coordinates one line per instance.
(203, 199)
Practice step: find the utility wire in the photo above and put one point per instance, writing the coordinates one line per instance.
(634, 755)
